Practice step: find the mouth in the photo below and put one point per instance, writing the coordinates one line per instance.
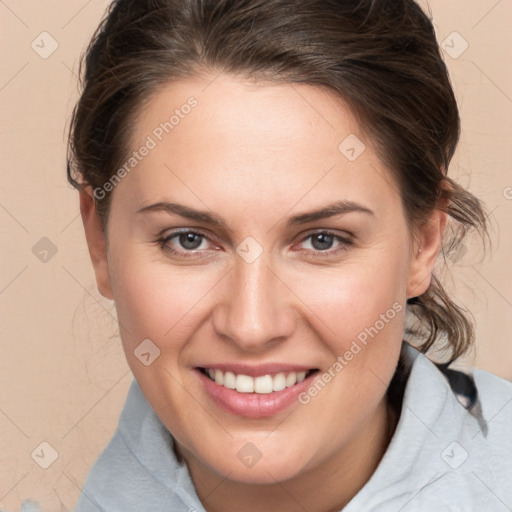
(261, 395)
(263, 384)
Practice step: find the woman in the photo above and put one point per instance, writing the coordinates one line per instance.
(264, 192)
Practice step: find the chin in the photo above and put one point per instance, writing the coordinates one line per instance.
(261, 473)
(250, 465)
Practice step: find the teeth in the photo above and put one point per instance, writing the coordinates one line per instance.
(229, 380)
(279, 382)
(244, 384)
(291, 379)
(262, 385)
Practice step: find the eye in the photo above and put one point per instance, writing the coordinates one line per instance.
(189, 240)
(323, 241)
(191, 243)
(179, 243)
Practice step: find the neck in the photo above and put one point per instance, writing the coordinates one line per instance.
(325, 488)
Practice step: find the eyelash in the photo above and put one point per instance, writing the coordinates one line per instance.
(163, 243)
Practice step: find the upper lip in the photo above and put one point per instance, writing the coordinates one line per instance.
(253, 370)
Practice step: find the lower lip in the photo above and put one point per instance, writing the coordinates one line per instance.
(254, 405)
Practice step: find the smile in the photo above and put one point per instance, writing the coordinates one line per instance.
(263, 384)
(266, 393)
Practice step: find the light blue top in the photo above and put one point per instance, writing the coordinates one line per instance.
(439, 458)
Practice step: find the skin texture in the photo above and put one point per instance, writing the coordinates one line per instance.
(256, 154)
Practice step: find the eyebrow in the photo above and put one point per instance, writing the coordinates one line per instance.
(331, 210)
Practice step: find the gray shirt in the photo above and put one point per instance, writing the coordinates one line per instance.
(442, 457)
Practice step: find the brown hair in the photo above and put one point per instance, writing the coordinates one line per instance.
(380, 56)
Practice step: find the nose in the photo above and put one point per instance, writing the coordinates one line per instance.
(255, 312)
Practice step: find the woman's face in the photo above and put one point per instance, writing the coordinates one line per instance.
(278, 246)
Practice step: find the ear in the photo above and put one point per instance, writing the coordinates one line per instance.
(426, 246)
(96, 241)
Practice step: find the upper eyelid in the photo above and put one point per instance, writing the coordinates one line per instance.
(333, 232)
(174, 233)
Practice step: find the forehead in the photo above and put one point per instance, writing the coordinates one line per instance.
(258, 143)
(231, 110)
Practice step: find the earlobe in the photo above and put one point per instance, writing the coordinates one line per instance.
(426, 247)
(95, 241)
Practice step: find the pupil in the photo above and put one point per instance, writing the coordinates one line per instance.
(190, 240)
(325, 241)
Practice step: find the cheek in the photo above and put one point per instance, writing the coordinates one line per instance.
(352, 298)
(156, 301)
(359, 311)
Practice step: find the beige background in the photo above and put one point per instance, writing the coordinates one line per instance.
(63, 375)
